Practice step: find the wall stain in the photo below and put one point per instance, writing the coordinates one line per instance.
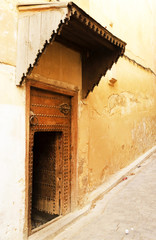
(121, 103)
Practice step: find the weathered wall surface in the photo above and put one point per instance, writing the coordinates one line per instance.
(12, 152)
(120, 123)
(8, 26)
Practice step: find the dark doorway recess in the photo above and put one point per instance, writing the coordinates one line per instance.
(47, 181)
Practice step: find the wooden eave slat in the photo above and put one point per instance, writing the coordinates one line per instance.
(73, 34)
(90, 35)
(65, 41)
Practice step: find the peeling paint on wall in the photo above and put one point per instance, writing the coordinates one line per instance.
(121, 122)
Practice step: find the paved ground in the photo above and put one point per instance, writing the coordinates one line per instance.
(129, 207)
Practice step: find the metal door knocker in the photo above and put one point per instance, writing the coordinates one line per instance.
(33, 119)
(64, 108)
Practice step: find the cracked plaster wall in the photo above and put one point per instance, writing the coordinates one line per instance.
(121, 123)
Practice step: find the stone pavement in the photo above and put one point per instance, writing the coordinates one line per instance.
(126, 212)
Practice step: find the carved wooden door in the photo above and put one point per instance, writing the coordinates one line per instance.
(49, 164)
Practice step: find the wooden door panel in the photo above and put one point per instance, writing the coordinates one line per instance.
(49, 164)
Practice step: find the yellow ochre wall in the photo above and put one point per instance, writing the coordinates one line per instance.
(120, 124)
(59, 65)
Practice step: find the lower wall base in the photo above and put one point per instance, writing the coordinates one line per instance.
(117, 177)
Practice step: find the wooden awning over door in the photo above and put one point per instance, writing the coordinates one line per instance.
(71, 26)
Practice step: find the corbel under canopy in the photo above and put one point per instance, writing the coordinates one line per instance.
(71, 26)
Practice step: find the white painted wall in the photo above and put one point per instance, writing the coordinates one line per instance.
(12, 156)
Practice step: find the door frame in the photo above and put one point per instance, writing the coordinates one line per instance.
(74, 133)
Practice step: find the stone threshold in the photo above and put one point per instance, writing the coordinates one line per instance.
(54, 228)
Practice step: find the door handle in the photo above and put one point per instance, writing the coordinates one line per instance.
(33, 119)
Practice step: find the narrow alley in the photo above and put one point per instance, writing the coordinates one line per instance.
(127, 212)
